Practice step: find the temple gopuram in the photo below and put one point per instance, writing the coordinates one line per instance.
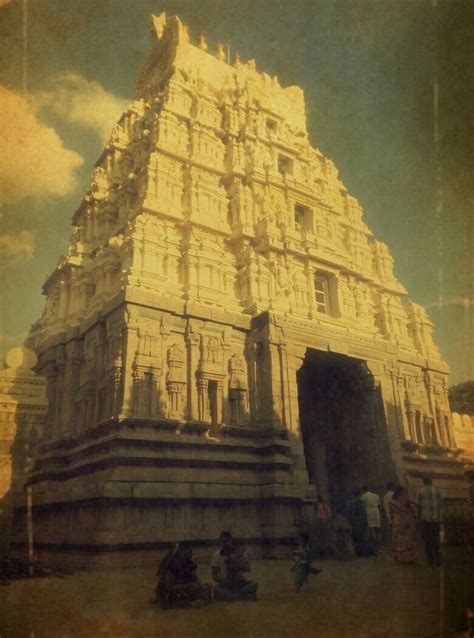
(224, 339)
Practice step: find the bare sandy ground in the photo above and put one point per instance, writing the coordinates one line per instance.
(363, 598)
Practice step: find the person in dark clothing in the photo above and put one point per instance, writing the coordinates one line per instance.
(178, 584)
(357, 517)
(430, 515)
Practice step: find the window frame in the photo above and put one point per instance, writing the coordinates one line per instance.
(324, 291)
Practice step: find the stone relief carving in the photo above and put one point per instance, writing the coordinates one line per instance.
(174, 380)
(213, 351)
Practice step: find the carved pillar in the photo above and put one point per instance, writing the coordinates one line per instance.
(203, 401)
(219, 401)
(192, 345)
(174, 381)
(448, 428)
(310, 279)
(251, 356)
(128, 383)
(116, 394)
(400, 413)
(294, 357)
(237, 391)
(410, 416)
(433, 426)
(272, 400)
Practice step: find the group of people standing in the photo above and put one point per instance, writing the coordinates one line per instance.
(363, 514)
(178, 584)
(406, 517)
(403, 520)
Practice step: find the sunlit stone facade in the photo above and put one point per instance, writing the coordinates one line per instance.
(215, 258)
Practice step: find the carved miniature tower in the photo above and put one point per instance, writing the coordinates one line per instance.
(217, 267)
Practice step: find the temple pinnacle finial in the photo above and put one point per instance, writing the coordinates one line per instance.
(202, 44)
(220, 53)
(237, 61)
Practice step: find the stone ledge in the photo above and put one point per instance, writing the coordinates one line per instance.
(432, 459)
(118, 425)
(438, 475)
(112, 462)
(230, 495)
(164, 448)
(288, 539)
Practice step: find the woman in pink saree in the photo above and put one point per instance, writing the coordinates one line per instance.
(403, 527)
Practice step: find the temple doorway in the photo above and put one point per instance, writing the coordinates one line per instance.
(342, 426)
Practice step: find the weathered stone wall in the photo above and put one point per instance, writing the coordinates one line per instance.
(463, 432)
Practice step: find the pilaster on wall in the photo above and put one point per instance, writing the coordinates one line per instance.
(277, 361)
(387, 378)
(131, 348)
(293, 357)
(193, 354)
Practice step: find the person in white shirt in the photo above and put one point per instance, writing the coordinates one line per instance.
(430, 515)
(227, 566)
(388, 515)
(371, 503)
(387, 498)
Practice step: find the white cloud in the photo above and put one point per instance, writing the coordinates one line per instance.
(21, 246)
(85, 102)
(34, 162)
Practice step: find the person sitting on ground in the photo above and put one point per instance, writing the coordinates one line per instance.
(229, 563)
(237, 562)
(302, 558)
(178, 585)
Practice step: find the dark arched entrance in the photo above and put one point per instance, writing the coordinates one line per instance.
(342, 425)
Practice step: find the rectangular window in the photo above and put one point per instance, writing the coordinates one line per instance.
(322, 294)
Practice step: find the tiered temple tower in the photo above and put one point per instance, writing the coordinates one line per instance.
(224, 338)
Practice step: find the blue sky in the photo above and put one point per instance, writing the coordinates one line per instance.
(367, 69)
